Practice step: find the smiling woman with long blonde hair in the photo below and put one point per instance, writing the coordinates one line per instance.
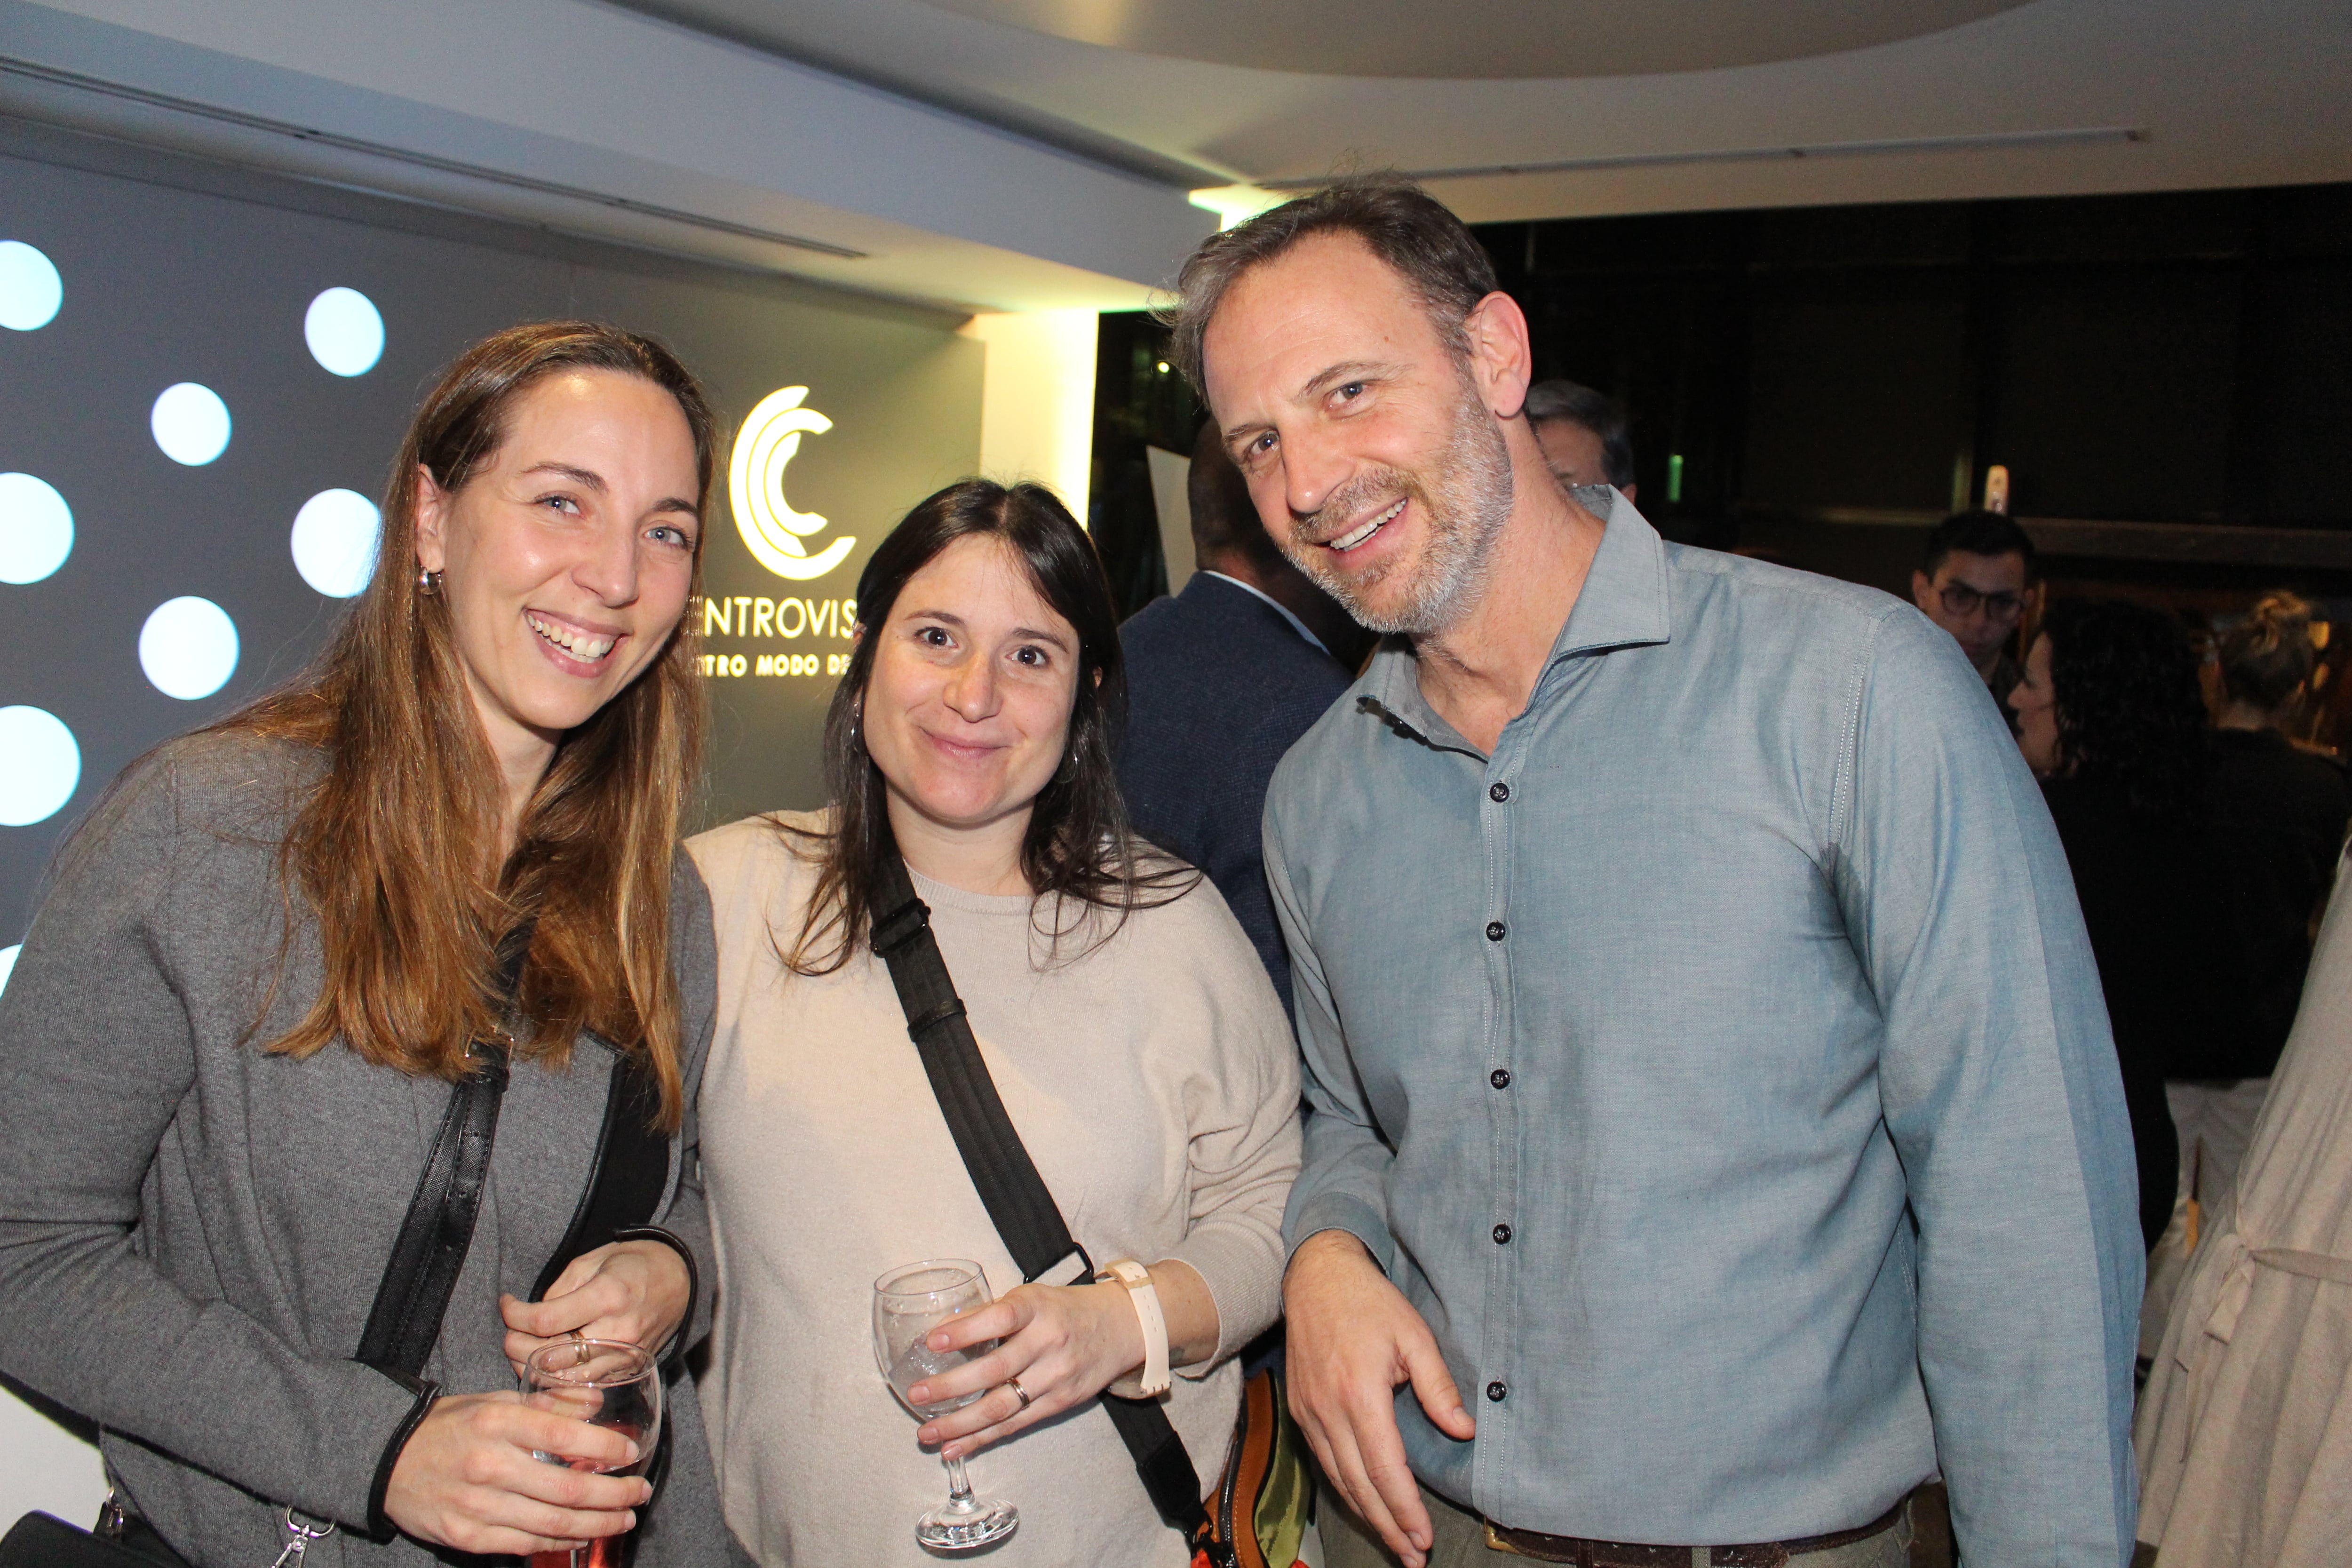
(228, 1048)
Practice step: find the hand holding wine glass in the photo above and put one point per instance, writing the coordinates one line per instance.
(607, 1386)
(908, 1303)
(469, 1477)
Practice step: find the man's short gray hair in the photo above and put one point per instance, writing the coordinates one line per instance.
(1440, 261)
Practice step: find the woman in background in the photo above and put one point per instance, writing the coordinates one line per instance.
(2279, 815)
(227, 1047)
(1126, 1020)
(2110, 718)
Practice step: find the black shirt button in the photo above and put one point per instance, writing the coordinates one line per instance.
(1494, 931)
(1502, 1235)
(1500, 1078)
(1498, 792)
(1496, 1392)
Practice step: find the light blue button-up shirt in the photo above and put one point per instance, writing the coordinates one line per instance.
(1629, 1046)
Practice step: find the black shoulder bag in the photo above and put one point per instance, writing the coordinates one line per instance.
(404, 1323)
(1023, 1211)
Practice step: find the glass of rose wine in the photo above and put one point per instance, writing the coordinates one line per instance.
(606, 1383)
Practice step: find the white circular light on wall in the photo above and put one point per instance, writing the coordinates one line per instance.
(190, 423)
(8, 963)
(334, 542)
(30, 289)
(344, 330)
(36, 529)
(39, 765)
(188, 647)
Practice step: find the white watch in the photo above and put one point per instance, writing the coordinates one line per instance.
(1154, 1381)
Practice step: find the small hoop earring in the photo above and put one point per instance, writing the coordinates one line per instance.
(857, 737)
(1068, 772)
(428, 583)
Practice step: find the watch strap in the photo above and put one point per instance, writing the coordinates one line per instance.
(1145, 1297)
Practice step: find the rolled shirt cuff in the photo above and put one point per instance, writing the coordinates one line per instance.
(1343, 1211)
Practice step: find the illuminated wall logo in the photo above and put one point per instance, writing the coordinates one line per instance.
(771, 530)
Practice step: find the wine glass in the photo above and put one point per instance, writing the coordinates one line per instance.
(606, 1383)
(909, 1302)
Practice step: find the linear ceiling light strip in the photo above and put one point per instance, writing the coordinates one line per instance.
(418, 159)
(1991, 142)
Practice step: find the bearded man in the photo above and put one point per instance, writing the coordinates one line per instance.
(1707, 1067)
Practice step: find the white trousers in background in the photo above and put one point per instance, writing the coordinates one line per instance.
(2215, 1119)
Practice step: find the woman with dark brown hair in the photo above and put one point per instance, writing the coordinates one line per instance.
(1123, 1018)
(416, 924)
(2109, 717)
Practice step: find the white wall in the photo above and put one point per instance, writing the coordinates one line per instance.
(1037, 399)
(43, 1466)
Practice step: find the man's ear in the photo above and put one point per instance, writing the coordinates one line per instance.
(1501, 364)
(432, 521)
(1922, 590)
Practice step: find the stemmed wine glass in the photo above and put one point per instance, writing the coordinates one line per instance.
(606, 1383)
(909, 1302)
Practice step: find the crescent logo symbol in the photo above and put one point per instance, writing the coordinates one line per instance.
(771, 530)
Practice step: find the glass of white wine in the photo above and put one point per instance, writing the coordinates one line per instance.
(909, 1302)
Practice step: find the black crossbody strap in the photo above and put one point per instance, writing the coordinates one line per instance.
(1024, 1212)
(405, 1321)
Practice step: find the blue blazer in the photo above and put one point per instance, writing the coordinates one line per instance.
(1219, 686)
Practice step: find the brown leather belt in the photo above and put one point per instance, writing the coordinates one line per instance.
(1586, 1553)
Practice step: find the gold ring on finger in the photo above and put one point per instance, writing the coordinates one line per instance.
(1019, 1393)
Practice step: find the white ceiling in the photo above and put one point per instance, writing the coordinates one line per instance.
(985, 154)
(1487, 39)
(2218, 92)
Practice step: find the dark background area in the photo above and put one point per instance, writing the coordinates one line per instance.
(2167, 379)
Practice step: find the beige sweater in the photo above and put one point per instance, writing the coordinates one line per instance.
(1156, 1086)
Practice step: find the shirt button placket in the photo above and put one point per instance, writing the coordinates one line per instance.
(1498, 1348)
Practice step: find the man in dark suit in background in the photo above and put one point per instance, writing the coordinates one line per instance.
(1221, 679)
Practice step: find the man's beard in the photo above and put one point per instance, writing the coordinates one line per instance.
(1466, 508)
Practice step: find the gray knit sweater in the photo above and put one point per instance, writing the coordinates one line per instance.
(192, 1230)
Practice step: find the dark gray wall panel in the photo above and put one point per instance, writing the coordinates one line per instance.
(165, 283)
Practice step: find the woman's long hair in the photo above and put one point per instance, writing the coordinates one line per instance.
(397, 848)
(1078, 848)
(2130, 716)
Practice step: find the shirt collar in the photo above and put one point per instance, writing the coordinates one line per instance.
(1279, 608)
(1623, 604)
(1623, 601)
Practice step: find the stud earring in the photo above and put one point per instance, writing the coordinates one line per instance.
(428, 583)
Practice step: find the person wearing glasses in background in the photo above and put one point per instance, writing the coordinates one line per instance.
(1977, 582)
